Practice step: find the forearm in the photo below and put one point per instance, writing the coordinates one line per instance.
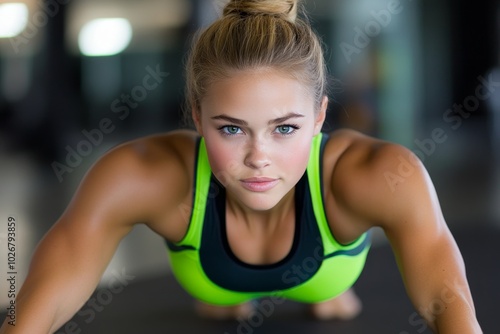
(456, 315)
(58, 284)
(44, 307)
(31, 319)
(451, 312)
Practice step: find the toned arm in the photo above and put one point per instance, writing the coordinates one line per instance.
(402, 201)
(125, 187)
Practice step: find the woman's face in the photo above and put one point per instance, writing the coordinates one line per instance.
(258, 127)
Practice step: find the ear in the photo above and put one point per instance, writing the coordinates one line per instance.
(195, 114)
(321, 116)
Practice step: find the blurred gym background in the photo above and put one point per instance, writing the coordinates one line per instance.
(79, 77)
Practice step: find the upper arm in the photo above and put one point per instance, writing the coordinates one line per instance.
(428, 257)
(393, 190)
(123, 188)
(412, 219)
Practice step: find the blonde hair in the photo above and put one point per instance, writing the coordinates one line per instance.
(255, 34)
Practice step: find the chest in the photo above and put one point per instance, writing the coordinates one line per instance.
(259, 243)
(261, 246)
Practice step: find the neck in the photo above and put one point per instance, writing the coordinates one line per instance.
(262, 220)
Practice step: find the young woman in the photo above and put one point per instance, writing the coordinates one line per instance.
(256, 202)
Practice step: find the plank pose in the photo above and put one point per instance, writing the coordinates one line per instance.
(257, 201)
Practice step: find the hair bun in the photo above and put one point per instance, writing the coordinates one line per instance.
(286, 9)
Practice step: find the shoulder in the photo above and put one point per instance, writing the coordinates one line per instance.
(148, 157)
(349, 150)
(378, 180)
(140, 177)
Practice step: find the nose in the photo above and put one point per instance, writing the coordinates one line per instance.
(257, 156)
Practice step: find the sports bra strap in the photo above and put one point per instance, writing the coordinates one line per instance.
(202, 190)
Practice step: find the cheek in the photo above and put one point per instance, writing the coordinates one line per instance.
(295, 157)
(223, 159)
(292, 158)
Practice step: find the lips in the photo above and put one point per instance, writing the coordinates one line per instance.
(259, 184)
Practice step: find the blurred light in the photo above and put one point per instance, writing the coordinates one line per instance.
(13, 19)
(105, 37)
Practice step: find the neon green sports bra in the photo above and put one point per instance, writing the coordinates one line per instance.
(316, 269)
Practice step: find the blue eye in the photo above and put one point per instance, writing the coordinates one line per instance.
(230, 130)
(286, 129)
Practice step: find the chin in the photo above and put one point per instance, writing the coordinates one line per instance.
(259, 201)
(262, 204)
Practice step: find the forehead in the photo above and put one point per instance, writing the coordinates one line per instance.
(266, 93)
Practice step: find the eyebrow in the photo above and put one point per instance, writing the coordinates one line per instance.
(244, 123)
